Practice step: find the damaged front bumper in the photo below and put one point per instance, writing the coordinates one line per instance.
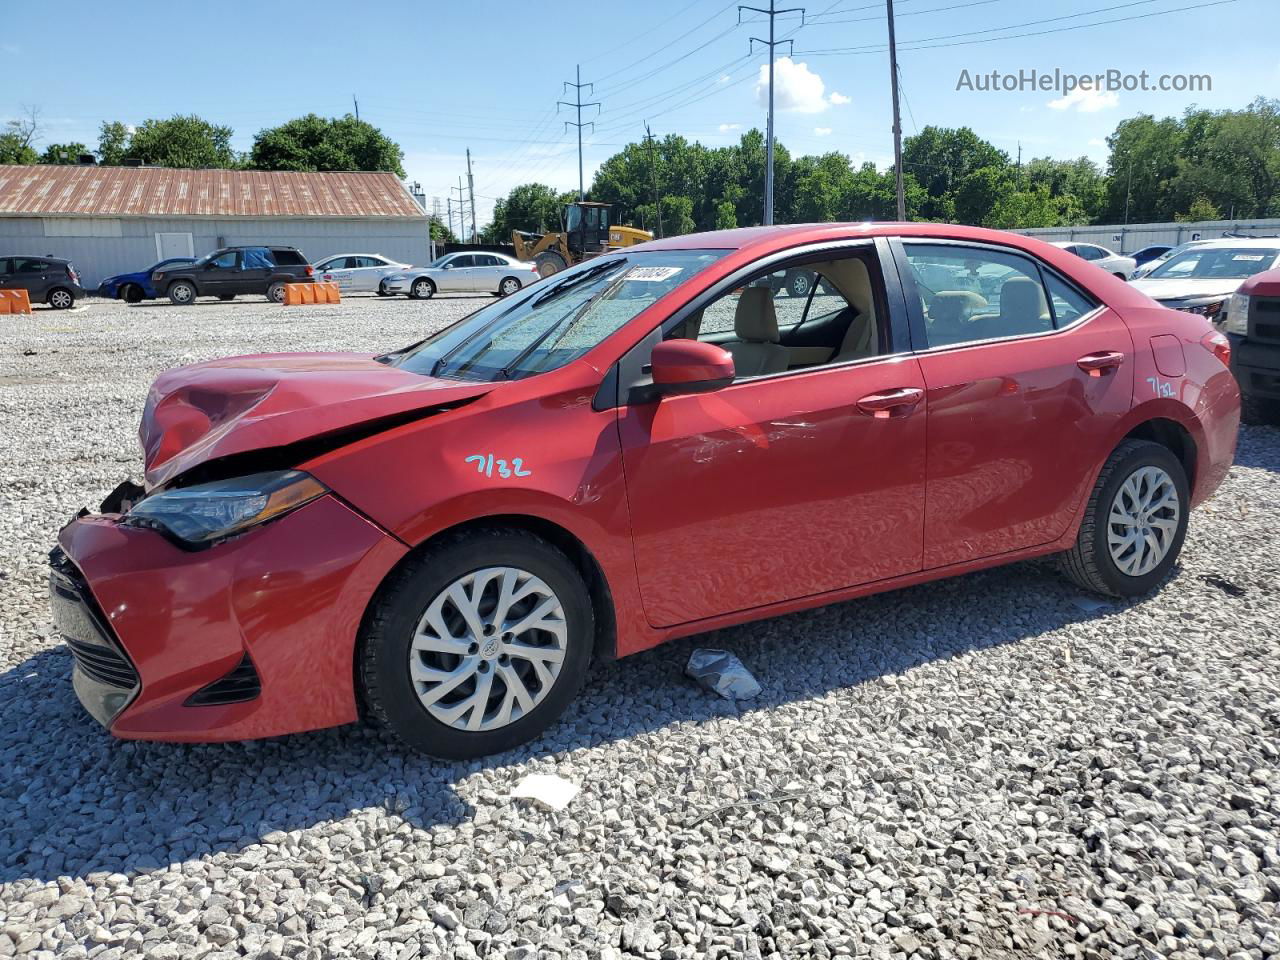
(253, 637)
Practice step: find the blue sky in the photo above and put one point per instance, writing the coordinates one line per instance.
(440, 77)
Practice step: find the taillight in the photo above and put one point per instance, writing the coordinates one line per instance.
(1217, 344)
(311, 271)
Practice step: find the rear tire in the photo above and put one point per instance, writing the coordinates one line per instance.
(60, 298)
(1259, 411)
(275, 292)
(402, 659)
(508, 286)
(549, 262)
(798, 284)
(1137, 477)
(182, 293)
(422, 289)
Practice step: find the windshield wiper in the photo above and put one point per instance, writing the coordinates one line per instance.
(569, 283)
(560, 324)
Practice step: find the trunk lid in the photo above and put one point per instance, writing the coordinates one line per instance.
(211, 410)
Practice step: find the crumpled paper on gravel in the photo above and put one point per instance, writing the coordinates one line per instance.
(723, 673)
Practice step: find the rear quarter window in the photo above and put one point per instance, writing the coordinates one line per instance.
(287, 258)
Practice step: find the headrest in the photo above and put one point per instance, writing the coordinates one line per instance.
(754, 320)
(1023, 298)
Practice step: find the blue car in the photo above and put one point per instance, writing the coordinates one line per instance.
(135, 287)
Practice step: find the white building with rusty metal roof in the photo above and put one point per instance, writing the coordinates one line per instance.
(110, 220)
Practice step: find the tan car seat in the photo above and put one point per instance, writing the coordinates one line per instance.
(757, 351)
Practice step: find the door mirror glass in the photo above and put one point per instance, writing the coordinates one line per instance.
(689, 366)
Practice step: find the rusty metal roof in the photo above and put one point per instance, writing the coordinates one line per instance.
(54, 190)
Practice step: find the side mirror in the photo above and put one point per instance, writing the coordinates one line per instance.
(448, 266)
(690, 366)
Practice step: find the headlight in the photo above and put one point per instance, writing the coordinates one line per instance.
(398, 276)
(212, 511)
(1209, 310)
(1237, 315)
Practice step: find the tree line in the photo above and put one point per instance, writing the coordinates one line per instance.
(304, 143)
(1204, 165)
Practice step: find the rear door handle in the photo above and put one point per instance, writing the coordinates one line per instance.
(891, 403)
(1095, 364)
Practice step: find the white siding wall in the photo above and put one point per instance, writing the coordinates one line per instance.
(1135, 236)
(134, 247)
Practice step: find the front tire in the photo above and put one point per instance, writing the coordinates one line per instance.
(422, 289)
(1134, 524)
(132, 294)
(182, 293)
(477, 645)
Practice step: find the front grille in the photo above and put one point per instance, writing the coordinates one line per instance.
(239, 685)
(77, 617)
(1266, 319)
(103, 664)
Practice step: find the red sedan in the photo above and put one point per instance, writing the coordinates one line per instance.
(658, 442)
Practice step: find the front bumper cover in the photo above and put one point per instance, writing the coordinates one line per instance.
(1256, 366)
(286, 597)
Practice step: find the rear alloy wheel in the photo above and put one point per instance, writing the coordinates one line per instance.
(508, 286)
(422, 289)
(798, 284)
(1134, 524)
(275, 292)
(60, 299)
(478, 646)
(182, 293)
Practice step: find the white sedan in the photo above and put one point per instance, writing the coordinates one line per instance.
(358, 272)
(494, 273)
(1109, 261)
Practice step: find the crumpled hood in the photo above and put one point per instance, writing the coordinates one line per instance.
(1186, 289)
(211, 410)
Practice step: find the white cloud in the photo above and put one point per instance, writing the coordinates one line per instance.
(796, 88)
(727, 127)
(837, 99)
(1097, 142)
(722, 80)
(822, 131)
(1086, 101)
(1025, 109)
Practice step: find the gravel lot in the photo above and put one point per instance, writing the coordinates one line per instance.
(993, 766)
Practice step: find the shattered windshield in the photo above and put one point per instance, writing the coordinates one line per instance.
(555, 320)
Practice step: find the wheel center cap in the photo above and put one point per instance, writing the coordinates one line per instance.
(489, 649)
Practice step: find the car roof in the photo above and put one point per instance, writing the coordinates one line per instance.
(381, 256)
(1079, 243)
(33, 256)
(1228, 242)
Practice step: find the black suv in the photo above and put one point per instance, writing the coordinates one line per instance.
(231, 271)
(46, 279)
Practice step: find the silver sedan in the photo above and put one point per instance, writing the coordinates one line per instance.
(1109, 261)
(358, 272)
(494, 273)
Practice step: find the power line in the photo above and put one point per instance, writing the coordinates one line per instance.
(577, 87)
(926, 43)
(667, 46)
(915, 13)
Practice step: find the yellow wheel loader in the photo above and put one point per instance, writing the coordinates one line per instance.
(587, 233)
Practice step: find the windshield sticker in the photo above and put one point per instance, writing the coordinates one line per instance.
(1247, 256)
(651, 274)
(486, 464)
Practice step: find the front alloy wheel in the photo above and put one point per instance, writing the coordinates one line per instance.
(488, 649)
(422, 289)
(477, 644)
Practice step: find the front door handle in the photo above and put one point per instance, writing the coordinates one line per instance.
(1096, 364)
(891, 403)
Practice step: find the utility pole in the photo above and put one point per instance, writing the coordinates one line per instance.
(897, 117)
(772, 12)
(449, 206)
(435, 218)
(357, 105)
(578, 105)
(471, 185)
(653, 168)
(1018, 179)
(462, 211)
